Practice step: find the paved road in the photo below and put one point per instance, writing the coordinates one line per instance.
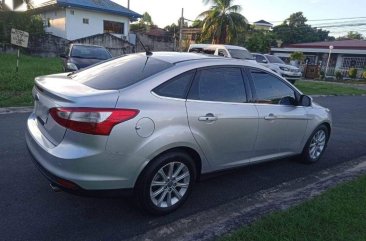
(29, 210)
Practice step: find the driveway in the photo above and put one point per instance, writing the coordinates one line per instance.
(31, 211)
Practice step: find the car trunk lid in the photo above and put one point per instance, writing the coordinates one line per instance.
(61, 91)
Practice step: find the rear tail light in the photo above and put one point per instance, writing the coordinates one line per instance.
(94, 121)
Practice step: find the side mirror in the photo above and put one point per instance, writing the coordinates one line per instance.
(63, 56)
(264, 61)
(287, 100)
(305, 100)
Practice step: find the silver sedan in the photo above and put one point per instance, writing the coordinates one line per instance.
(152, 124)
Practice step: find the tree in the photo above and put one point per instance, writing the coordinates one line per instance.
(295, 30)
(16, 4)
(222, 23)
(19, 20)
(260, 42)
(351, 35)
(144, 24)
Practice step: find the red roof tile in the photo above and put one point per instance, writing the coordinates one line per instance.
(340, 44)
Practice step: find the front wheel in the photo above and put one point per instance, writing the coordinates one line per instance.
(166, 183)
(316, 145)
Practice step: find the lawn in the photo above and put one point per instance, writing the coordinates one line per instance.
(338, 214)
(315, 88)
(15, 88)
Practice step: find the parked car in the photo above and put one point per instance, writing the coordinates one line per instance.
(291, 73)
(79, 56)
(152, 124)
(229, 51)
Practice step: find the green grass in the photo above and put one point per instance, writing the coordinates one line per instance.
(314, 88)
(16, 88)
(338, 214)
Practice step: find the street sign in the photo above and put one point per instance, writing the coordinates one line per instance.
(19, 38)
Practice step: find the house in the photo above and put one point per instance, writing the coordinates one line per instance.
(344, 54)
(262, 25)
(74, 19)
(191, 34)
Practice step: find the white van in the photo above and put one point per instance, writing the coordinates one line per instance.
(229, 51)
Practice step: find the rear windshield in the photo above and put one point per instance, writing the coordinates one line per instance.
(120, 72)
(89, 52)
(240, 54)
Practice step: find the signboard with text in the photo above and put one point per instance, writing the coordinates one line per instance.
(19, 38)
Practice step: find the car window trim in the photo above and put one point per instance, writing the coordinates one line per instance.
(214, 67)
(249, 70)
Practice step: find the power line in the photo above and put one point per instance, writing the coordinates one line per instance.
(324, 19)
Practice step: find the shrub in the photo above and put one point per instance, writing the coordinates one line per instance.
(352, 73)
(299, 56)
(322, 74)
(338, 75)
(364, 75)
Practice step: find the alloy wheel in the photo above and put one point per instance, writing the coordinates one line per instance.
(169, 184)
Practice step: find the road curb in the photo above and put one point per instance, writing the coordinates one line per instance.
(215, 222)
(13, 110)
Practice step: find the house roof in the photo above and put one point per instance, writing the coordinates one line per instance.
(157, 32)
(262, 22)
(106, 6)
(356, 47)
(340, 44)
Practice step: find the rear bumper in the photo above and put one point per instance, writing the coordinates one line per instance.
(79, 169)
(77, 190)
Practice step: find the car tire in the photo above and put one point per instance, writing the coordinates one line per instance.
(292, 81)
(166, 183)
(316, 145)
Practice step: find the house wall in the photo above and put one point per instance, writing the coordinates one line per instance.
(75, 28)
(57, 19)
(116, 46)
(153, 43)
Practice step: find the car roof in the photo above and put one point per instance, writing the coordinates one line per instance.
(213, 46)
(176, 57)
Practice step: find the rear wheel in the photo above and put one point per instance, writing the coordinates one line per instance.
(166, 184)
(316, 145)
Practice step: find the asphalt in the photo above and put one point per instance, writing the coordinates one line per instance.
(29, 210)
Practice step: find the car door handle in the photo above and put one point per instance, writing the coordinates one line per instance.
(208, 117)
(270, 117)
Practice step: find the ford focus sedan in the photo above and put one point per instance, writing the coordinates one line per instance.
(152, 124)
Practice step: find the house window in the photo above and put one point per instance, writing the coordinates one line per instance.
(354, 62)
(72, 12)
(85, 20)
(114, 27)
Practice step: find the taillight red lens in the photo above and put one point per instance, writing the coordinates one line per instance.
(94, 121)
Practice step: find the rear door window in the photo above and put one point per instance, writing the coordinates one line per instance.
(121, 72)
(222, 84)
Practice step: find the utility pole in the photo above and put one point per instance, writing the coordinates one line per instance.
(180, 31)
(128, 4)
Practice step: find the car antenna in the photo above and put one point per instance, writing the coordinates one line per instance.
(147, 51)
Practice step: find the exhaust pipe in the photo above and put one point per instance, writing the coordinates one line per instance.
(55, 188)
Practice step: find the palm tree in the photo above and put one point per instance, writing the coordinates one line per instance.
(222, 22)
(16, 4)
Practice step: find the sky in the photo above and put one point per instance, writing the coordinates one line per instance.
(166, 12)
